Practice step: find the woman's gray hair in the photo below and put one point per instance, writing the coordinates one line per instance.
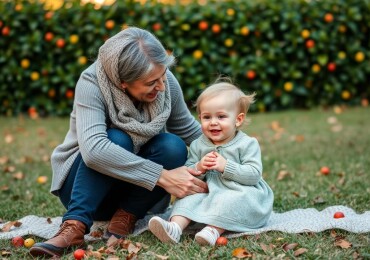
(142, 52)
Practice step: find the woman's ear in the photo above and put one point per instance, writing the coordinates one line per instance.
(123, 86)
(239, 119)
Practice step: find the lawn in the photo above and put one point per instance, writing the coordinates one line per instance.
(295, 145)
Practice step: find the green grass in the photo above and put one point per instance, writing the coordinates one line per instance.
(298, 142)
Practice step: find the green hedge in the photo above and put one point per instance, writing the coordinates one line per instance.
(293, 53)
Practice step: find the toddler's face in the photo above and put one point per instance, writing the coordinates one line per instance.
(219, 119)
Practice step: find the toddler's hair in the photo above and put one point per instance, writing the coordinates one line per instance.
(224, 86)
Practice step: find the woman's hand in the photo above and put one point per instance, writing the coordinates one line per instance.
(180, 182)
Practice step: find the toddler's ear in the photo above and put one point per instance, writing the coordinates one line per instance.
(239, 119)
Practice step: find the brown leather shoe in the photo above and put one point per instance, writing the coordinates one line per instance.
(121, 224)
(70, 235)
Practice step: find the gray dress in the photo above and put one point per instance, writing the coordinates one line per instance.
(239, 199)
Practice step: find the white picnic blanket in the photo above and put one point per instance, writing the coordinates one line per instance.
(293, 221)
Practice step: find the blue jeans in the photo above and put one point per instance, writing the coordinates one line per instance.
(89, 195)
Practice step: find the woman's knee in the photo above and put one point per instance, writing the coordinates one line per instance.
(173, 147)
(120, 138)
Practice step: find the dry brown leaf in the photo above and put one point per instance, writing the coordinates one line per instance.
(97, 233)
(300, 251)
(18, 175)
(49, 220)
(9, 225)
(287, 247)
(112, 241)
(5, 253)
(94, 254)
(4, 188)
(267, 248)
(342, 243)
(299, 138)
(9, 168)
(275, 126)
(318, 200)
(133, 249)
(8, 138)
(4, 160)
(241, 253)
(333, 233)
(282, 175)
(113, 257)
(296, 194)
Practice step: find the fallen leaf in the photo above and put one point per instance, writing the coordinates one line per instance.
(282, 175)
(287, 247)
(18, 175)
(332, 120)
(318, 200)
(5, 253)
(241, 253)
(343, 243)
(97, 233)
(8, 138)
(49, 220)
(4, 160)
(9, 225)
(300, 251)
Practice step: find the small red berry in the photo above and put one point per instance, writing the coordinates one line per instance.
(79, 254)
(338, 214)
(221, 241)
(17, 241)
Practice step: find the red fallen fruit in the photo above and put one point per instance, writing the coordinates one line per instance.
(338, 214)
(79, 254)
(221, 241)
(17, 241)
(325, 170)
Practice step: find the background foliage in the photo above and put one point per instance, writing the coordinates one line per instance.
(292, 53)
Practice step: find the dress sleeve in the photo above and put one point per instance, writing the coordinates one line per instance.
(248, 171)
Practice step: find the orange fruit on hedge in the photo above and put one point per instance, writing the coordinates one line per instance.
(5, 31)
(251, 74)
(230, 12)
(229, 42)
(342, 28)
(73, 38)
(48, 15)
(346, 94)
(316, 68)
(51, 93)
(310, 44)
(18, 7)
(156, 26)
(60, 43)
(216, 28)
(328, 17)
(197, 54)
(359, 56)
(49, 36)
(288, 86)
(82, 60)
(203, 25)
(305, 34)
(69, 94)
(35, 75)
(109, 24)
(244, 30)
(331, 66)
(25, 63)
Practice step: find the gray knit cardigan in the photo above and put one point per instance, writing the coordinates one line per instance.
(87, 135)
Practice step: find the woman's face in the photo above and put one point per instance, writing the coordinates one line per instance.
(146, 90)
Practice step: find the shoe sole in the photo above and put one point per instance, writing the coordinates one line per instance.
(40, 251)
(202, 241)
(158, 230)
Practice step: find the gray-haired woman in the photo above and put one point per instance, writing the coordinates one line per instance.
(126, 145)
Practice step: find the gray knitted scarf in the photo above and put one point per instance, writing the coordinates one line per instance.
(140, 123)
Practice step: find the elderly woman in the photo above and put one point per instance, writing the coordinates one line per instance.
(127, 142)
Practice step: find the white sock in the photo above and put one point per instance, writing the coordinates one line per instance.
(167, 232)
(207, 236)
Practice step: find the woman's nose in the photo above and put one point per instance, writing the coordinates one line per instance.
(161, 85)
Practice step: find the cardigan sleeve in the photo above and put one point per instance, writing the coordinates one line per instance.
(248, 171)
